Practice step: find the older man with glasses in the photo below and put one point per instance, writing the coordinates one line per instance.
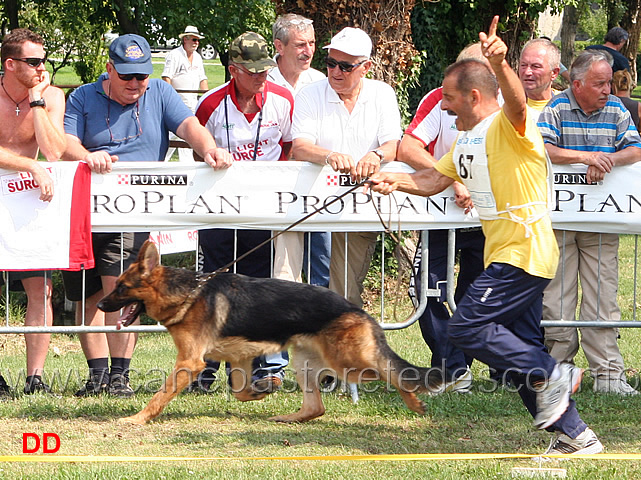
(184, 70)
(124, 116)
(251, 117)
(352, 124)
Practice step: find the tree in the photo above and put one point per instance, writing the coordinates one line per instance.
(630, 21)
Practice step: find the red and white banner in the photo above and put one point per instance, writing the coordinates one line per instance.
(37, 235)
(166, 198)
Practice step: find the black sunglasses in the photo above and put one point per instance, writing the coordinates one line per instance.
(130, 76)
(344, 66)
(31, 61)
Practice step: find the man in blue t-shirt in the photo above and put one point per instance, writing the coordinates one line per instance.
(124, 116)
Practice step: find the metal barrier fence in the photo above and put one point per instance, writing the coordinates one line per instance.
(628, 267)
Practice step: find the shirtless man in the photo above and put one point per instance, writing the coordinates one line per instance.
(32, 111)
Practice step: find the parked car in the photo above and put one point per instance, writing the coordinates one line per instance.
(208, 52)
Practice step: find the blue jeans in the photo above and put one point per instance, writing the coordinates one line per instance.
(321, 248)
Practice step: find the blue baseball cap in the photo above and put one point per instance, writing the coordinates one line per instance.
(131, 54)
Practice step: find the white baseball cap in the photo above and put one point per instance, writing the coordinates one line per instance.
(352, 41)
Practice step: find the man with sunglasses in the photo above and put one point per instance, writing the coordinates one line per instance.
(352, 124)
(251, 117)
(32, 111)
(124, 116)
(184, 70)
(295, 42)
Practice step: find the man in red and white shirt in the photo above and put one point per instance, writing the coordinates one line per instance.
(250, 117)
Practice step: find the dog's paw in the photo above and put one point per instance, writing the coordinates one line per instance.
(285, 419)
(133, 420)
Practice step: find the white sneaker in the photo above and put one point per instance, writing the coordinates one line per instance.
(461, 384)
(613, 385)
(586, 443)
(553, 397)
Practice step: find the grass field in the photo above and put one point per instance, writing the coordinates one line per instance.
(213, 69)
(488, 420)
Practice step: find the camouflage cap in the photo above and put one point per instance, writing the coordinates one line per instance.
(250, 50)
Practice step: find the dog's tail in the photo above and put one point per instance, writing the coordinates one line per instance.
(404, 375)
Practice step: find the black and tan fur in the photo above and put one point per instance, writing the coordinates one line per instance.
(236, 318)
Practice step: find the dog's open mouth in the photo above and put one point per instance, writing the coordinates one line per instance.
(129, 314)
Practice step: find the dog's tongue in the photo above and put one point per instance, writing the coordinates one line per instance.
(127, 316)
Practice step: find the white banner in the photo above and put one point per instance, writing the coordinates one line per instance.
(144, 196)
(38, 235)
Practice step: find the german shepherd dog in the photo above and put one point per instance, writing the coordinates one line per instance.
(236, 318)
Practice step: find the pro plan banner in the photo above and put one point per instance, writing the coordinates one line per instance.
(38, 235)
(144, 196)
(167, 197)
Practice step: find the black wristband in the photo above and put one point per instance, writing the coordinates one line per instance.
(38, 103)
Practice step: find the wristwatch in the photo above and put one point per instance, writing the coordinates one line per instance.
(38, 103)
(380, 154)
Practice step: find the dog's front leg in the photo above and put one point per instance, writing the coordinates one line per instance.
(183, 374)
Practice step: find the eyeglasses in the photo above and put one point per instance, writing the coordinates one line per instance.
(130, 137)
(141, 77)
(304, 21)
(34, 62)
(344, 66)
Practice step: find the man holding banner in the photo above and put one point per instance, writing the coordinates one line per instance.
(32, 112)
(124, 116)
(586, 125)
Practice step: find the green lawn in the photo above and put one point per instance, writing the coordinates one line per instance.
(213, 68)
(488, 420)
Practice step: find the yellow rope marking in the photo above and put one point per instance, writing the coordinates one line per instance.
(370, 458)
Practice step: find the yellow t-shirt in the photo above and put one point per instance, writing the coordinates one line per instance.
(518, 171)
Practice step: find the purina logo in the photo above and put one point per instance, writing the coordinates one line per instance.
(336, 180)
(561, 178)
(168, 180)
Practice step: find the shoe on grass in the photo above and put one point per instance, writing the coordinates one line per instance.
(5, 390)
(119, 387)
(461, 384)
(613, 385)
(35, 384)
(586, 443)
(268, 383)
(94, 386)
(553, 396)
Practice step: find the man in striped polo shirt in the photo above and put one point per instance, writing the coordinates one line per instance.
(586, 125)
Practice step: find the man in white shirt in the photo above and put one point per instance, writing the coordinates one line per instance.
(295, 42)
(184, 70)
(352, 124)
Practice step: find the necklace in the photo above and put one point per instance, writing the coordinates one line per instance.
(17, 103)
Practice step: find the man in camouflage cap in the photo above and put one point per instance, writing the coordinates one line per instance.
(250, 50)
(234, 114)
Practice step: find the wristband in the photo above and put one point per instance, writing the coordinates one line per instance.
(327, 158)
(38, 103)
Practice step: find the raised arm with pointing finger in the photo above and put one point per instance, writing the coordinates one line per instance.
(500, 157)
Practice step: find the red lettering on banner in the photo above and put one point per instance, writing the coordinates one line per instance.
(46, 445)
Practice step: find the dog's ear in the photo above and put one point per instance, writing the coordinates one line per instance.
(149, 258)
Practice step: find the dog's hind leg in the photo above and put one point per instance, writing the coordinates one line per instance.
(184, 372)
(309, 367)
